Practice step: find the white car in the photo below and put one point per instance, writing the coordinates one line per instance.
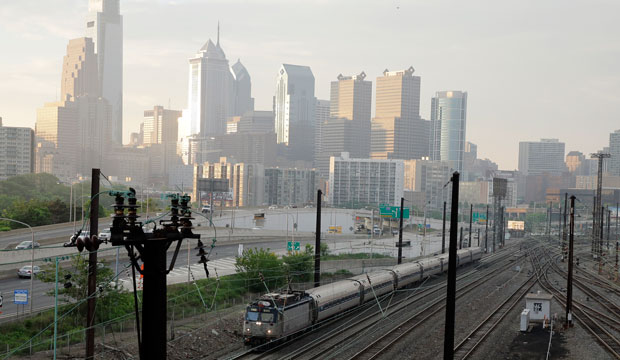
(26, 271)
(26, 245)
(273, 207)
(105, 234)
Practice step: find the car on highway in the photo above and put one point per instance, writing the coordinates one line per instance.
(273, 207)
(105, 234)
(27, 245)
(394, 231)
(26, 271)
(205, 209)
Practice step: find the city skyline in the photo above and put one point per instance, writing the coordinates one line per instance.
(517, 53)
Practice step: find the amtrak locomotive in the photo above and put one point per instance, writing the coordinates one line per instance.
(278, 315)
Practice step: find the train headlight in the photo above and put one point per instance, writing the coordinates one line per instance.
(269, 331)
(248, 329)
(259, 323)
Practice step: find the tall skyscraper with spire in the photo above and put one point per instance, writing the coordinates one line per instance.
(216, 92)
(104, 25)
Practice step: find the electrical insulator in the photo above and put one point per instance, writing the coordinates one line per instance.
(261, 277)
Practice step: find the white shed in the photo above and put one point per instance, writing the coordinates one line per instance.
(539, 305)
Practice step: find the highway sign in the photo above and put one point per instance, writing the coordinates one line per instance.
(393, 212)
(290, 246)
(479, 217)
(20, 297)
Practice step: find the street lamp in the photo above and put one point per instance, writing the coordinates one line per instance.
(31, 258)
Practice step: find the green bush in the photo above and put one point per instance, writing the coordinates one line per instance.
(256, 262)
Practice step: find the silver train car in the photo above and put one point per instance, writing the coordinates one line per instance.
(280, 315)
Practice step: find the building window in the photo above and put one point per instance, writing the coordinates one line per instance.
(90, 24)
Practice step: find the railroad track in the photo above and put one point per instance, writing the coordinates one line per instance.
(393, 336)
(329, 340)
(585, 315)
(469, 344)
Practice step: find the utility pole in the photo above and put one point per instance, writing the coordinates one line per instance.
(317, 243)
(461, 241)
(569, 286)
(448, 343)
(400, 231)
(471, 214)
(594, 228)
(478, 237)
(443, 230)
(486, 232)
(92, 264)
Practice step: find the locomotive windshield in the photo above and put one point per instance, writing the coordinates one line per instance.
(265, 315)
(251, 316)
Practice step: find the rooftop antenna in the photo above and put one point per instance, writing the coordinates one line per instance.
(218, 33)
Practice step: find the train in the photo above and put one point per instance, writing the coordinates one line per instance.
(280, 315)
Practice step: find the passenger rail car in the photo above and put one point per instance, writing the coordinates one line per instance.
(280, 315)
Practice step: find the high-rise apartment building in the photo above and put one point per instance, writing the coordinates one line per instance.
(16, 151)
(544, 156)
(290, 186)
(448, 125)
(613, 163)
(576, 162)
(361, 182)
(428, 177)
(104, 25)
(294, 108)
(397, 131)
(245, 182)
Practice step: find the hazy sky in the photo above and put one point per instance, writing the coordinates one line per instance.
(532, 68)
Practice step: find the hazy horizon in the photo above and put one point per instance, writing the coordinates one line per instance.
(532, 70)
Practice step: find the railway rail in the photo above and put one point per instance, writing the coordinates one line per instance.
(329, 340)
(587, 316)
(393, 336)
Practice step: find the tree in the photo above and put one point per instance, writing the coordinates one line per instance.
(32, 212)
(254, 262)
(108, 294)
(299, 264)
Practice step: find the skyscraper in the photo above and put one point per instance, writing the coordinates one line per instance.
(210, 89)
(16, 151)
(161, 126)
(347, 129)
(351, 99)
(74, 134)
(79, 70)
(398, 132)
(448, 124)
(104, 25)
(294, 108)
(242, 100)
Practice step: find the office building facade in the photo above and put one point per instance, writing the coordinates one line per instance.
(104, 25)
(290, 186)
(294, 108)
(448, 125)
(544, 156)
(17, 155)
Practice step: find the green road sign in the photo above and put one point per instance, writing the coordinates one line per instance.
(476, 217)
(290, 246)
(393, 211)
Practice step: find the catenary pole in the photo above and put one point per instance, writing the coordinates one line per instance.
(92, 265)
(400, 231)
(317, 244)
(448, 343)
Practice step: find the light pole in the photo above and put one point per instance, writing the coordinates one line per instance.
(31, 257)
(147, 201)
